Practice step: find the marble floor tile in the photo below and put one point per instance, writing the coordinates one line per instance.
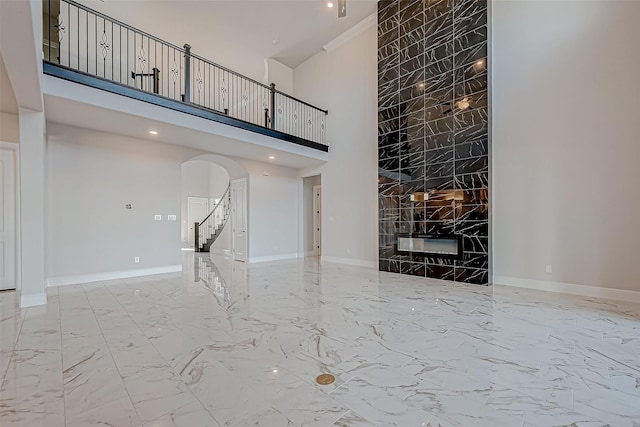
(228, 344)
(118, 412)
(351, 419)
(377, 406)
(49, 415)
(156, 392)
(192, 414)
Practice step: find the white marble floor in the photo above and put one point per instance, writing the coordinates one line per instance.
(242, 347)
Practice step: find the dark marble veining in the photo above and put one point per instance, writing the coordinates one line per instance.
(433, 126)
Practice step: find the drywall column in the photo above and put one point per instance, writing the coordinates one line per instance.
(32, 156)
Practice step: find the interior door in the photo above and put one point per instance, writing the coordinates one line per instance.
(239, 218)
(7, 219)
(197, 210)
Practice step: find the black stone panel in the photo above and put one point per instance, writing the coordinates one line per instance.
(433, 126)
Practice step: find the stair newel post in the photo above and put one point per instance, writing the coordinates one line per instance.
(273, 105)
(187, 73)
(196, 237)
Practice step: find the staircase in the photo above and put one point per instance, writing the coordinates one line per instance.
(209, 229)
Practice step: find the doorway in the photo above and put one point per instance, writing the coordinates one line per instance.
(197, 210)
(7, 219)
(312, 216)
(317, 222)
(203, 185)
(239, 218)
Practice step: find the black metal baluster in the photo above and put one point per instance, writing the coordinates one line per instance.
(112, 43)
(187, 72)
(273, 105)
(78, 26)
(49, 29)
(127, 73)
(95, 22)
(69, 38)
(86, 15)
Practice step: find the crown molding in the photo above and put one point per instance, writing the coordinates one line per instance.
(356, 30)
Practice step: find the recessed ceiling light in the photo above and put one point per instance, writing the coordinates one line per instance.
(271, 157)
(330, 5)
(275, 371)
(153, 132)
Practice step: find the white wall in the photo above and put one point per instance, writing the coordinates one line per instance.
(345, 82)
(566, 103)
(281, 75)
(273, 211)
(91, 176)
(218, 180)
(9, 128)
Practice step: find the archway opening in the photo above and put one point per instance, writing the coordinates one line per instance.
(206, 204)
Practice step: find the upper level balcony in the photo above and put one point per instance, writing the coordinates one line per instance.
(87, 47)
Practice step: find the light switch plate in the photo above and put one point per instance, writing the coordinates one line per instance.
(158, 217)
(172, 217)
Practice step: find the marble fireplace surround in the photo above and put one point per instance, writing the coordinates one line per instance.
(433, 140)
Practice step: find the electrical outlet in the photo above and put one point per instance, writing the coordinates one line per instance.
(158, 217)
(549, 268)
(136, 260)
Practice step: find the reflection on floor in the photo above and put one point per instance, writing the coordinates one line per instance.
(224, 344)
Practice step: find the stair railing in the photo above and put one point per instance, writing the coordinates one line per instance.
(208, 230)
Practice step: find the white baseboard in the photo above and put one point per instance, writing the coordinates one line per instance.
(349, 261)
(257, 259)
(111, 275)
(568, 288)
(32, 300)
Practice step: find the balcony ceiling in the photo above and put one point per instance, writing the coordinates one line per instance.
(299, 27)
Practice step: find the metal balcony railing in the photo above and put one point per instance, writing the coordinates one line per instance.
(80, 39)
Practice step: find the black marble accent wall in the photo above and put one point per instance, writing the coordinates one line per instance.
(433, 145)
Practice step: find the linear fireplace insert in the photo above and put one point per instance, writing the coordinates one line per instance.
(426, 245)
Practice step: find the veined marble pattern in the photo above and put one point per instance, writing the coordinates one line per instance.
(231, 345)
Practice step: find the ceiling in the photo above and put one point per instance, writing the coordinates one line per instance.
(8, 102)
(299, 27)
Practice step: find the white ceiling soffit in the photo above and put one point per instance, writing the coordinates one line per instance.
(76, 105)
(290, 31)
(8, 102)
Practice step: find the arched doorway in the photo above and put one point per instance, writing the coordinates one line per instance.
(214, 206)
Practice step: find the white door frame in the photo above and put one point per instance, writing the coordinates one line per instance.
(246, 216)
(317, 220)
(15, 148)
